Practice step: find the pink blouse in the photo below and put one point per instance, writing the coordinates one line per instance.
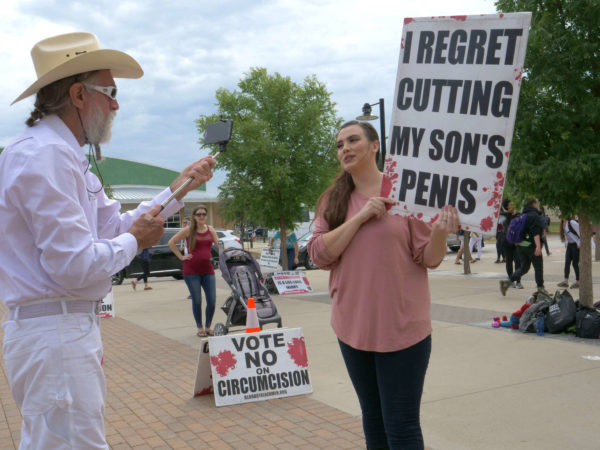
(379, 284)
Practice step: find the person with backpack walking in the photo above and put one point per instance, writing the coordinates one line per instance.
(511, 258)
(569, 234)
(525, 231)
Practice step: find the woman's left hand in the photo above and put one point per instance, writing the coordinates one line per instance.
(447, 222)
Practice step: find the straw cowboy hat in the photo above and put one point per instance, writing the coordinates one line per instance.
(69, 54)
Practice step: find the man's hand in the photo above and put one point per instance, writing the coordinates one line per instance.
(200, 172)
(148, 228)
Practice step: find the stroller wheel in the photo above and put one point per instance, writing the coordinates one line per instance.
(220, 330)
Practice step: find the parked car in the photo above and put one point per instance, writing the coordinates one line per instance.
(163, 262)
(303, 257)
(228, 238)
(261, 232)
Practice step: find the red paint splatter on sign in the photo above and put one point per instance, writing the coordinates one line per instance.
(297, 351)
(386, 188)
(224, 361)
(486, 224)
(205, 391)
(496, 196)
(461, 18)
(408, 20)
(502, 15)
(518, 75)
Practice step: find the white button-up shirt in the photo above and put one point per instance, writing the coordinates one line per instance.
(60, 236)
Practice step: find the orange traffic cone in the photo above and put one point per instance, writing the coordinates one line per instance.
(252, 325)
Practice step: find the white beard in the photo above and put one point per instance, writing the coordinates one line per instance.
(97, 127)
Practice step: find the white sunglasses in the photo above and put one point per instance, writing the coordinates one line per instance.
(109, 91)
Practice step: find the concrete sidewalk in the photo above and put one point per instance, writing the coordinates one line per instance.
(486, 388)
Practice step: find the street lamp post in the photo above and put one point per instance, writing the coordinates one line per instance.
(366, 115)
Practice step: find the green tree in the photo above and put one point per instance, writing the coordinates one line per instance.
(282, 155)
(555, 152)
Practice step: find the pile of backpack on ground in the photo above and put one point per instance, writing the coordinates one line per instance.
(558, 314)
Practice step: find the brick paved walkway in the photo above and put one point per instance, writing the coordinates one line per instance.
(150, 379)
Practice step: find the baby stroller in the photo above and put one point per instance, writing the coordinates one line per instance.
(242, 273)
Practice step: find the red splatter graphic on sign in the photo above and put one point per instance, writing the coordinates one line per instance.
(386, 187)
(486, 224)
(297, 351)
(502, 15)
(495, 198)
(461, 18)
(224, 361)
(518, 75)
(205, 391)
(434, 218)
(408, 20)
(402, 44)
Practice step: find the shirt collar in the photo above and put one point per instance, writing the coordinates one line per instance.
(59, 127)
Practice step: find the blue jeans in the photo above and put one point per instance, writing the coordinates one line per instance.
(389, 388)
(195, 284)
(291, 252)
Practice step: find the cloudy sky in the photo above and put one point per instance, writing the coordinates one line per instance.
(188, 49)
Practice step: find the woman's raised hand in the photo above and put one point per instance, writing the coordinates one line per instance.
(447, 222)
(375, 207)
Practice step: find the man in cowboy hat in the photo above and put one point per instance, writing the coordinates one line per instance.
(63, 238)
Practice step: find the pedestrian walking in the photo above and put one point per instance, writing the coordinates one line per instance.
(569, 235)
(144, 259)
(530, 249)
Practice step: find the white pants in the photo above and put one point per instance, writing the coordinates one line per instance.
(53, 365)
(476, 240)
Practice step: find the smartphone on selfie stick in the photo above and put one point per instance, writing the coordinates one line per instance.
(216, 133)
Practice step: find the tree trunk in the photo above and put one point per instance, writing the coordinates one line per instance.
(586, 291)
(467, 253)
(282, 247)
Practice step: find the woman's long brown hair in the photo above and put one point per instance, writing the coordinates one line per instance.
(194, 227)
(334, 200)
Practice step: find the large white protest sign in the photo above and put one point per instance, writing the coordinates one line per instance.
(259, 366)
(269, 258)
(453, 115)
(291, 282)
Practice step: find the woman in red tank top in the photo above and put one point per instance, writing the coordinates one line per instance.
(198, 271)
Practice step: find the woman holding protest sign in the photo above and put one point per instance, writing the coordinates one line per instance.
(380, 290)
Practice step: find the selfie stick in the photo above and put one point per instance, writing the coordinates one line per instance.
(216, 133)
(181, 188)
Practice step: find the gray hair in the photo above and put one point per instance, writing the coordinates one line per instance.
(53, 99)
